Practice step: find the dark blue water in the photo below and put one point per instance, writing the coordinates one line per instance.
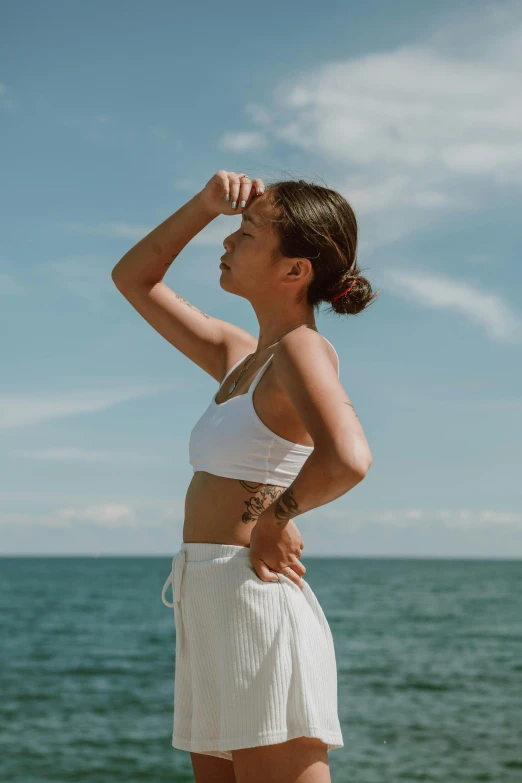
(429, 656)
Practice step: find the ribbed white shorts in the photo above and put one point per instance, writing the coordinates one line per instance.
(255, 661)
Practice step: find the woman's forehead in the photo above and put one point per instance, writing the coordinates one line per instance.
(256, 215)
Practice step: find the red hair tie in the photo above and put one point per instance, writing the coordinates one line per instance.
(343, 292)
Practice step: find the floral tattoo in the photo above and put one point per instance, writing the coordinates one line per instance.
(258, 503)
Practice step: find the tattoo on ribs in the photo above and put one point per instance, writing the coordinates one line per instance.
(257, 504)
(189, 304)
(286, 507)
(351, 406)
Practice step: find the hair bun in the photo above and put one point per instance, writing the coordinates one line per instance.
(353, 281)
(314, 222)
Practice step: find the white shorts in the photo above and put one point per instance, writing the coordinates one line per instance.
(255, 661)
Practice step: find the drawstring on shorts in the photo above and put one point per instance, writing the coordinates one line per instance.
(175, 578)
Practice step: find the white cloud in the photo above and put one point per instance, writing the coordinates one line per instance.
(112, 228)
(410, 110)
(8, 285)
(343, 520)
(110, 515)
(478, 519)
(413, 131)
(145, 514)
(410, 133)
(258, 114)
(41, 498)
(18, 518)
(74, 270)
(484, 308)
(139, 515)
(19, 410)
(68, 453)
(242, 142)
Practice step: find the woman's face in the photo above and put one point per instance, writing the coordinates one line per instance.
(248, 255)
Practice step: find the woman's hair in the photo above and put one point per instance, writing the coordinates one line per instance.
(315, 222)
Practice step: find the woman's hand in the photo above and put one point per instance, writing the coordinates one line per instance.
(239, 187)
(274, 549)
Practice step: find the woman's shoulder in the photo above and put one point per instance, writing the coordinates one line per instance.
(308, 343)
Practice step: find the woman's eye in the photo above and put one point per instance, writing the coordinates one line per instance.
(245, 235)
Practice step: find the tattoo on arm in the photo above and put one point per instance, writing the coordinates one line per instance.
(286, 507)
(189, 304)
(158, 249)
(168, 263)
(351, 406)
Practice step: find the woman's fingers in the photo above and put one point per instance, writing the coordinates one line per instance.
(233, 179)
(298, 567)
(291, 573)
(243, 189)
(258, 187)
(294, 572)
(265, 573)
(245, 186)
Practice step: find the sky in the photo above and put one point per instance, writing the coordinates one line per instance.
(113, 115)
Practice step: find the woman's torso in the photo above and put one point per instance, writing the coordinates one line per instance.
(224, 510)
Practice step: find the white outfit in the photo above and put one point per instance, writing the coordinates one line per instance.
(231, 440)
(255, 660)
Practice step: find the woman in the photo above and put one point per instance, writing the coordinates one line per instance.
(255, 695)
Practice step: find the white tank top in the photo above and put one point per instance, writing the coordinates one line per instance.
(230, 440)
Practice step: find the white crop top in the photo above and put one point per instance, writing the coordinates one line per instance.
(230, 440)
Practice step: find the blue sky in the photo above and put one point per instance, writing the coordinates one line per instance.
(112, 115)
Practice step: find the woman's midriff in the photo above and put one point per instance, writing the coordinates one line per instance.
(222, 510)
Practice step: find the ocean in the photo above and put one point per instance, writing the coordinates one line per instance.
(429, 660)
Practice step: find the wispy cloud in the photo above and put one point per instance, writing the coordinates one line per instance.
(258, 114)
(111, 228)
(22, 410)
(409, 133)
(110, 515)
(211, 235)
(245, 141)
(413, 131)
(415, 519)
(105, 515)
(484, 308)
(68, 454)
(465, 518)
(126, 515)
(8, 285)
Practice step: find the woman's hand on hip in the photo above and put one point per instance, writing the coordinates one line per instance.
(274, 549)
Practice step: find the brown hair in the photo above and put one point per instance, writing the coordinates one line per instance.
(315, 222)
